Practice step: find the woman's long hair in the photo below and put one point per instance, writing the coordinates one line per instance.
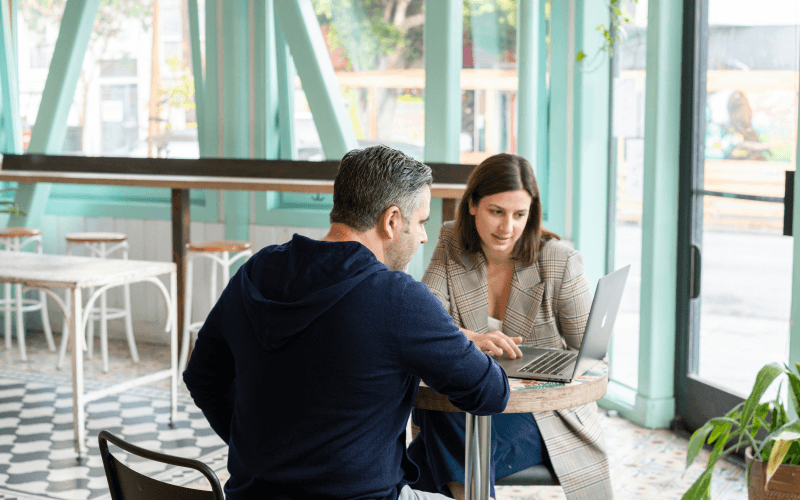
(498, 174)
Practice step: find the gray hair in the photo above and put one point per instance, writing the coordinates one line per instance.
(372, 179)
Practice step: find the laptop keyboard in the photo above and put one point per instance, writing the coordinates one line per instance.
(551, 363)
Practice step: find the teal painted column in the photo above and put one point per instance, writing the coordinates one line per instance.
(50, 128)
(532, 88)
(590, 141)
(655, 400)
(302, 32)
(212, 105)
(10, 123)
(236, 108)
(794, 325)
(197, 73)
(286, 74)
(266, 135)
(554, 198)
(443, 62)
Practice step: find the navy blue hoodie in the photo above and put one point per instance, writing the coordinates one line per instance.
(308, 366)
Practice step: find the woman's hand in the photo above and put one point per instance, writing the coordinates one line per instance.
(495, 343)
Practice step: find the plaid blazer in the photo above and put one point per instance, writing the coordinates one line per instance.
(548, 306)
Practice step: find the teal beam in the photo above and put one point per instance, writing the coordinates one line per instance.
(443, 62)
(236, 108)
(532, 88)
(655, 400)
(302, 32)
(50, 128)
(286, 75)
(554, 199)
(197, 73)
(10, 123)
(212, 109)
(590, 164)
(266, 134)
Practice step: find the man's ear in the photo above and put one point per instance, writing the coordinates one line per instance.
(391, 222)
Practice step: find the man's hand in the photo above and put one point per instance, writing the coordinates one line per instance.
(495, 343)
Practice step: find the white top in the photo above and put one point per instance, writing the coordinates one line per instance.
(495, 325)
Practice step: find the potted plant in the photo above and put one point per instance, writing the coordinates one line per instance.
(773, 462)
(9, 207)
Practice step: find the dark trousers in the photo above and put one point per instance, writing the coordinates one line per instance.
(438, 450)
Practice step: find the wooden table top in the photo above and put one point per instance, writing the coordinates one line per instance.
(67, 271)
(532, 395)
(438, 190)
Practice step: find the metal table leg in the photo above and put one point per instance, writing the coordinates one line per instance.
(477, 457)
(78, 410)
(173, 342)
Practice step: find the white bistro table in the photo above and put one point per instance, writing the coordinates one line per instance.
(47, 272)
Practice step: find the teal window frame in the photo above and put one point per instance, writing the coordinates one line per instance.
(122, 202)
(293, 209)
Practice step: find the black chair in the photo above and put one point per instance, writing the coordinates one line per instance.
(127, 484)
(537, 475)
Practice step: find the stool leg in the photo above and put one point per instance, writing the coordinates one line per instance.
(128, 320)
(213, 287)
(226, 271)
(187, 314)
(104, 331)
(20, 324)
(48, 332)
(7, 315)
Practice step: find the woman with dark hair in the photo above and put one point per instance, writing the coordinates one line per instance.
(506, 280)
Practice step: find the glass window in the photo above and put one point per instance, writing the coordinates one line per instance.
(750, 142)
(627, 146)
(377, 51)
(110, 114)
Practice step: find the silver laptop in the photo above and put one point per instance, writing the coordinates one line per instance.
(562, 365)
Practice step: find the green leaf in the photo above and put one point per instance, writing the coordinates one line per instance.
(794, 391)
(764, 379)
(697, 441)
(701, 489)
(788, 432)
(580, 56)
(776, 458)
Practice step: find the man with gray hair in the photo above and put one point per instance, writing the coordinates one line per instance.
(309, 363)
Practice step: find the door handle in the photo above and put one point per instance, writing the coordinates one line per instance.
(694, 284)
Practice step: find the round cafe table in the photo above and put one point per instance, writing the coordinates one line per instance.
(526, 396)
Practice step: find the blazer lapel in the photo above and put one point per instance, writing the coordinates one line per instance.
(471, 292)
(524, 299)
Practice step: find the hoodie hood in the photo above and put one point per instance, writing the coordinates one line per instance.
(285, 288)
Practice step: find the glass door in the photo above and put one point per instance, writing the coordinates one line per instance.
(740, 84)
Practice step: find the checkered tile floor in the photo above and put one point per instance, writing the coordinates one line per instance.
(37, 459)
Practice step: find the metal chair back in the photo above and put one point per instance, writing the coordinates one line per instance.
(127, 484)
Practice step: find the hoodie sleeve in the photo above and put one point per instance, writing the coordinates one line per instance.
(210, 373)
(436, 351)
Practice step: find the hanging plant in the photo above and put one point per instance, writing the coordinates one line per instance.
(613, 33)
(9, 207)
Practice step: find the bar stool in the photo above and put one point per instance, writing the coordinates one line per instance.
(101, 245)
(14, 239)
(220, 253)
